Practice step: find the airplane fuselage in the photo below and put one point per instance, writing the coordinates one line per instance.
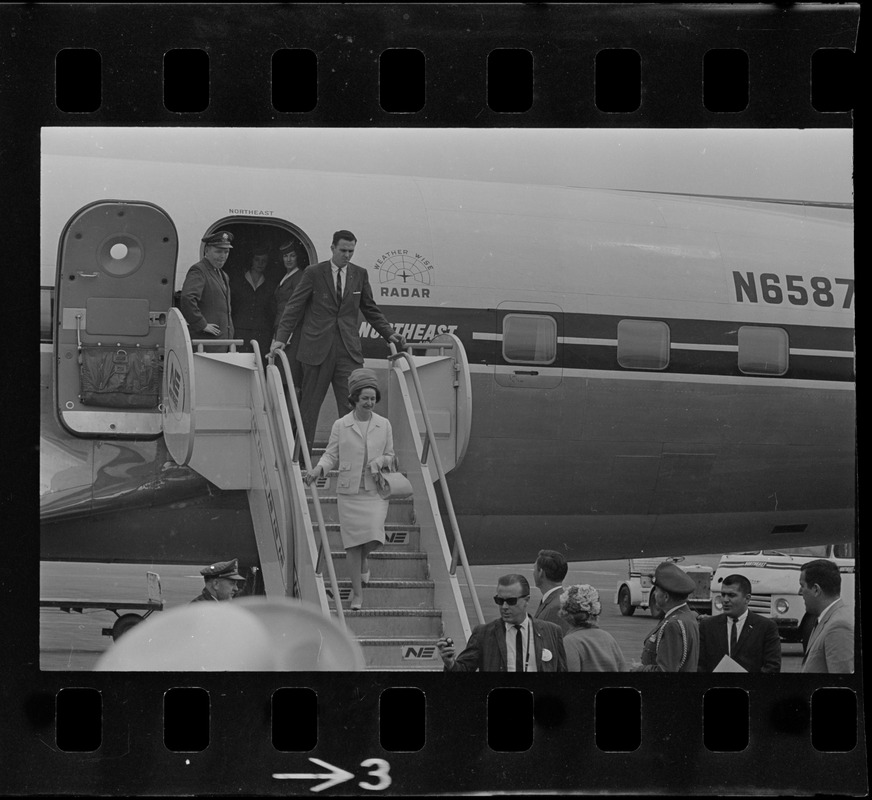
(650, 373)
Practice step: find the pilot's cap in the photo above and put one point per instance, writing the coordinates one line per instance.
(288, 247)
(219, 239)
(223, 569)
(673, 579)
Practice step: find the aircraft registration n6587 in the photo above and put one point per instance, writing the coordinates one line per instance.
(660, 362)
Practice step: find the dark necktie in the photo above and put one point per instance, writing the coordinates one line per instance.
(339, 285)
(519, 650)
(733, 636)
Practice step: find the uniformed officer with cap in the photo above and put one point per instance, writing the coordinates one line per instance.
(673, 646)
(205, 295)
(223, 582)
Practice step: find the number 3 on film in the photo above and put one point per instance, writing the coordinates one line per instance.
(380, 769)
(335, 775)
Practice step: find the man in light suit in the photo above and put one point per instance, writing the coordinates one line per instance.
(328, 299)
(205, 294)
(515, 642)
(755, 645)
(831, 644)
(548, 573)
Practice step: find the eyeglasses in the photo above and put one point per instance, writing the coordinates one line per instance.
(512, 601)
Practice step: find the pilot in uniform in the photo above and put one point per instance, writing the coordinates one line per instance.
(223, 582)
(673, 646)
(205, 296)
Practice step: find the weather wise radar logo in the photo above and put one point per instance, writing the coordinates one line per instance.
(404, 273)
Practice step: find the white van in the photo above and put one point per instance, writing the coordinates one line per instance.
(774, 576)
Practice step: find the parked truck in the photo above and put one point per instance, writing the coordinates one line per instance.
(774, 577)
(634, 591)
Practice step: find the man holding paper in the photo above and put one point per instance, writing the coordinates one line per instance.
(738, 640)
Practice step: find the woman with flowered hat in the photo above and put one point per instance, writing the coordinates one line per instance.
(588, 647)
(361, 443)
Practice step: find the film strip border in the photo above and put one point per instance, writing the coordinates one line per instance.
(525, 65)
(476, 65)
(591, 734)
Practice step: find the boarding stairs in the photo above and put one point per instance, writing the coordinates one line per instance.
(229, 418)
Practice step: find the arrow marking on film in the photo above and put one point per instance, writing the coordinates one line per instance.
(335, 776)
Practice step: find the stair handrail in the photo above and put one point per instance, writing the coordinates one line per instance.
(430, 444)
(301, 446)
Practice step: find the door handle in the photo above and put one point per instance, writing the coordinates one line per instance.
(526, 372)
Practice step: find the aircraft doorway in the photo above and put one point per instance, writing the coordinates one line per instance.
(259, 244)
(252, 235)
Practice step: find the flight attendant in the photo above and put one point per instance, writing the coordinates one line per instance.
(253, 309)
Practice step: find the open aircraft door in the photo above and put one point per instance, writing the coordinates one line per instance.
(443, 372)
(116, 274)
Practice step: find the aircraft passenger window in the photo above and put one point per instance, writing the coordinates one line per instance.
(529, 339)
(643, 344)
(763, 351)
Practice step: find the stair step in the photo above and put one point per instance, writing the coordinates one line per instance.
(402, 594)
(388, 565)
(407, 653)
(395, 622)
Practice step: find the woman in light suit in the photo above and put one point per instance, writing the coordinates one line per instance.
(361, 443)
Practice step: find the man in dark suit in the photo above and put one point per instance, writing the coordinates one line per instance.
(283, 292)
(205, 294)
(831, 643)
(515, 642)
(327, 300)
(749, 639)
(548, 573)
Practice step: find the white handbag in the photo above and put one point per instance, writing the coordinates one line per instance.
(392, 484)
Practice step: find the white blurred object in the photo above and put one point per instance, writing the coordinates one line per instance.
(250, 634)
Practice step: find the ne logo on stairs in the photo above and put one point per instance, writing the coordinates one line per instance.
(396, 537)
(412, 651)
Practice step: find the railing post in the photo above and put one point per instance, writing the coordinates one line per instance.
(440, 472)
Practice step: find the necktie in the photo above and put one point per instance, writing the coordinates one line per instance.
(519, 650)
(339, 285)
(733, 636)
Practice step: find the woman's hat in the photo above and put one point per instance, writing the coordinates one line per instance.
(362, 379)
(581, 598)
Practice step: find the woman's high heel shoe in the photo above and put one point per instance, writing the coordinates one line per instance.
(356, 602)
(364, 576)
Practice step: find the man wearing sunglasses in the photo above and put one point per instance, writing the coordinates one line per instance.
(514, 642)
